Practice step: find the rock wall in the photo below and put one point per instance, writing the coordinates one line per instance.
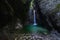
(48, 5)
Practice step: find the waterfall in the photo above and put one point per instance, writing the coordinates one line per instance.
(34, 18)
(32, 10)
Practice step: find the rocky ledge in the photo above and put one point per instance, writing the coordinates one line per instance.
(54, 35)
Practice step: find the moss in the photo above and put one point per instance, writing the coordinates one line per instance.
(58, 6)
(57, 9)
(24, 1)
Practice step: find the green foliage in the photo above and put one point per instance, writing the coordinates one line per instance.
(58, 6)
(24, 1)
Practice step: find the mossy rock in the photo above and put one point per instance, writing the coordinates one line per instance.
(55, 10)
(58, 6)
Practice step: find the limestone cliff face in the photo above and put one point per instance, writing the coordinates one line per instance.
(48, 5)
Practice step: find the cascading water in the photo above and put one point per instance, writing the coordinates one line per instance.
(32, 11)
(34, 17)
